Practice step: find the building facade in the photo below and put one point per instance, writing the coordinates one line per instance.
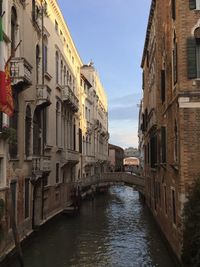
(48, 142)
(171, 111)
(116, 157)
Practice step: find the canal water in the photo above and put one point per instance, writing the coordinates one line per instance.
(115, 230)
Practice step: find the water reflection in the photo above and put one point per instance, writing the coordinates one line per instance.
(112, 231)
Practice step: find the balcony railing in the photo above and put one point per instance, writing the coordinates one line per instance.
(41, 164)
(43, 95)
(20, 71)
(70, 156)
(70, 98)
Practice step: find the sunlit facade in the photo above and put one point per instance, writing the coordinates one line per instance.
(53, 139)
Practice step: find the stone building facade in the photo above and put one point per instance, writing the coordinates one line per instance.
(116, 158)
(171, 111)
(44, 146)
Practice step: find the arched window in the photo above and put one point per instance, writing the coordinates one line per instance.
(13, 29)
(37, 131)
(61, 72)
(57, 122)
(65, 75)
(45, 53)
(37, 63)
(57, 67)
(28, 131)
(74, 135)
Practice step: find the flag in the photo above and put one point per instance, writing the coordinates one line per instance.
(8, 107)
(2, 69)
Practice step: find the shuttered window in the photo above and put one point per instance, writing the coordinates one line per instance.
(192, 58)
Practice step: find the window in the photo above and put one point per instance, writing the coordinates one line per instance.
(57, 121)
(163, 144)
(175, 55)
(80, 140)
(175, 142)
(74, 135)
(37, 133)
(13, 29)
(57, 67)
(56, 26)
(153, 150)
(173, 9)
(194, 4)
(198, 56)
(26, 199)
(28, 131)
(193, 55)
(165, 198)
(45, 53)
(37, 63)
(61, 72)
(173, 206)
(65, 76)
(33, 10)
(57, 172)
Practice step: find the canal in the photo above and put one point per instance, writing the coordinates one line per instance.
(115, 230)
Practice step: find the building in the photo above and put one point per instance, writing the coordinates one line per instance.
(49, 142)
(116, 157)
(131, 152)
(131, 164)
(171, 111)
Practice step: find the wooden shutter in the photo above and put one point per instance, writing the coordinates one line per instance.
(192, 4)
(163, 144)
(191, 58)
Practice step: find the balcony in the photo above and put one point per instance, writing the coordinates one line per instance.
(20, 72)
(41, 165)
(70, 98)
(89, 160)
(70, 157)
(43, 95)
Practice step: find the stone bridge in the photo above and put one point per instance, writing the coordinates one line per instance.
(117, 177)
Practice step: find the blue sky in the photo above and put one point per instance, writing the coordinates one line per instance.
(111, 33)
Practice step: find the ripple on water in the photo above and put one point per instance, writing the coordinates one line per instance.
(112, 231)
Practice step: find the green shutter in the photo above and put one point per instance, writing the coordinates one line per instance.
(192, 4)
(191, 58)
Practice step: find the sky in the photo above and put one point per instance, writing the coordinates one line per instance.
(111, 33)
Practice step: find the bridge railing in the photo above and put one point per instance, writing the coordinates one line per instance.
(123, 177)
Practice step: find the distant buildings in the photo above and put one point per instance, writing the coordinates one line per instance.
(58, 135)
(170, 112)
(131, 152)
(116, 157)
